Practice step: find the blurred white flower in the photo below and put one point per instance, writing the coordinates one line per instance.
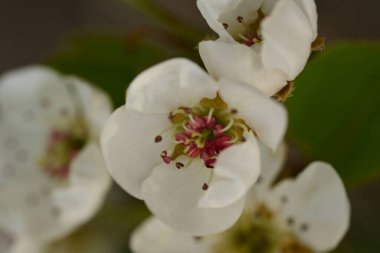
(265, 43)
(53, 176)
(305, 215)
(186, 144)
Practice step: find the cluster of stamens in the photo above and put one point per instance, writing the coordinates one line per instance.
(204, 137)
(63, 146)
(250, 34)
(203, 132)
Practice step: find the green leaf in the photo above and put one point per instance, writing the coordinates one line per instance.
(335, 111)
(108, 61)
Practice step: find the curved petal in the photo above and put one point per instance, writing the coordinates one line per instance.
(35, 86)
(310, 9)
(268, 6)
(30, 211)
(153, 236)
(266, 117)
(287, 35)
(173, 196)
(49, 210)
(88, 183)
(129, 148)
(236, 170)
(96, 105)
(318, 205)
(169, 85)
(244, 64)
(272, 163)
(212, 10)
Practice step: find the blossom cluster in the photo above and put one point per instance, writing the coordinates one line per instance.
(202, 148)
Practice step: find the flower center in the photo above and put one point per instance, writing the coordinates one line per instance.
(204, 131)
(63, 146)
(243, 29)
(260, 234)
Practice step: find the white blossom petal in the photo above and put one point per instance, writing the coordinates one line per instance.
(173, 196)
(129, 148)
(96, 105)
(236, 170)
(169, 85)
(46, 213)
(266, 117)
(318, 205)
(310, 10)
(287, 35)
(36, 87)
(244, 64)
(89, 182)
(268, 6)
(272, 163)
(212, 10)
(153, 236)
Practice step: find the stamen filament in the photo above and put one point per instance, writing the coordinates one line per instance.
(210, 114)
(192, 119)
(186, 128)
(241, 125)
(228, 127)
(235, 139)
(241, 36)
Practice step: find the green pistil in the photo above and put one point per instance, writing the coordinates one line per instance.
(201, 138)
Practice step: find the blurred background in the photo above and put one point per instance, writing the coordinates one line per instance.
(118, 40)
(30, 29)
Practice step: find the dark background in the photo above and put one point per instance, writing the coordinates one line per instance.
(31, 29)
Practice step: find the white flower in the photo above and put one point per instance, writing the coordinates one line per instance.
(305, 215)
(53, 176)
(265, 43)
(186, 144)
